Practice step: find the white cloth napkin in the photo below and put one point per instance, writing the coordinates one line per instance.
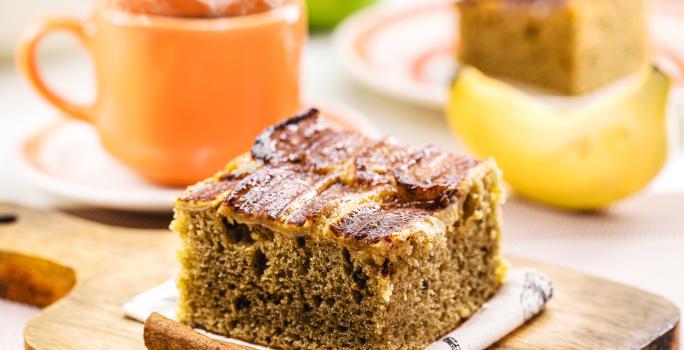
(13, 319)
(522, 296)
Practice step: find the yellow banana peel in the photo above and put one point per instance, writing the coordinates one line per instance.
(584, 157)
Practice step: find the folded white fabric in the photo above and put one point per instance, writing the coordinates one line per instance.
(522, 296)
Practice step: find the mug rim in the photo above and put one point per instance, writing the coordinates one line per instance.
(291, 12)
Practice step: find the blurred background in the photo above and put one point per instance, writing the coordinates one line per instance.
(637, 241)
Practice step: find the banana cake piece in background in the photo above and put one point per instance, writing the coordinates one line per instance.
(571, 46)
(324, 238)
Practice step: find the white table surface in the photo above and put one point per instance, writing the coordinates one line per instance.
(652, 261)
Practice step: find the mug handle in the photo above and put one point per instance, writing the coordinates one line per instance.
(27, 62)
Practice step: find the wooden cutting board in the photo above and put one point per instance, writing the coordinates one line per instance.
(85, 271)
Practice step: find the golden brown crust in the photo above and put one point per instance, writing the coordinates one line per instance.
(374, 163)
(302, 171)
(307, 140)
(207, 191)
(268, 192)
(371, 223)
(432, 176)
(321, 204)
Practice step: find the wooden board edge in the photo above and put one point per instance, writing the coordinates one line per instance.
(670, 340)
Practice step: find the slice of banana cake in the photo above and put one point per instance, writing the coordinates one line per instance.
(325, 239)
(571, 46)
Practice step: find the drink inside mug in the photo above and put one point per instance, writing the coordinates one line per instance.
(196, 8)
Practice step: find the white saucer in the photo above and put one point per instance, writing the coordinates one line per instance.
(67, 160)
(407, 51)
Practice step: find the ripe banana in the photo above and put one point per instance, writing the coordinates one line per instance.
(580, 157)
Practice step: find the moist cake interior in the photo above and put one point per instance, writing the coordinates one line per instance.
(324, 238)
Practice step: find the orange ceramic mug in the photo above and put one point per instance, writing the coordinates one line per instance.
(178, 97)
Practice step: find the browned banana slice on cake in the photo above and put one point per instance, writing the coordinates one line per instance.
(431, 175)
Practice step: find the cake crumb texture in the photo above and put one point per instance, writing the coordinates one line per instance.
(571, 46)
(326, 239)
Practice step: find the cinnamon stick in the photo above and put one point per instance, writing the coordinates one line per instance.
(162, 333)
